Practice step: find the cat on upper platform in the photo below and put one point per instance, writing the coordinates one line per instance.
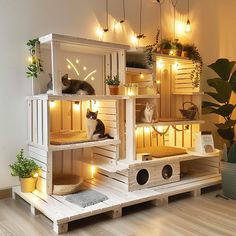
(71, 86)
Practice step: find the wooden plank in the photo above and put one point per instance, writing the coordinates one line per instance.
(35, 122)
(42, 159)
(104, 152)
(114, 63)
(50, 172)
(38, 151)
(107, 59)
(30, 121)
(122, 65)
(46, 123)
(40, 122)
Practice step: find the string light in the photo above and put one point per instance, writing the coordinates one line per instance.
(76, 106)
(93, 171)
(77, 61)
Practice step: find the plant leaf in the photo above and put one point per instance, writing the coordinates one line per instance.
(227, 134)
(209, 104)
(232, 81)
(217, 97)
(223, 67)
(225, 110)
(222, 87)
(207, 110)
(222, 126)
(230, 123)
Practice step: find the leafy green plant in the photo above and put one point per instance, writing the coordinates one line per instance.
(176, 45)
(165, 44)
(113, 81)
(193, 54)
(24, 167)
(231, 157)
(35, 67)
(224, 86)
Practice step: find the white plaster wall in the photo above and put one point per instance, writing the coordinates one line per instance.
(26, 19)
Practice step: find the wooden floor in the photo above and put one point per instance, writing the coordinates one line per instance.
(204, 215)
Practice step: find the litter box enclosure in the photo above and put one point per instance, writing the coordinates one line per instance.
(152, 173)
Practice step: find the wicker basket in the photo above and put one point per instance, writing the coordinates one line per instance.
(190, 112)
(67, 184)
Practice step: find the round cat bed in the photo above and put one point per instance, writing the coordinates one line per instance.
(67, 184)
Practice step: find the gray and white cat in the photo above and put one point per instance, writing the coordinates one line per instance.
(95, 127)
(147, 113)
(71, 86)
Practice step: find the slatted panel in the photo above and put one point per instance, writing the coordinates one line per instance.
(30, 121)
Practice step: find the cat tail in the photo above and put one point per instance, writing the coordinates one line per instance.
(106, 136)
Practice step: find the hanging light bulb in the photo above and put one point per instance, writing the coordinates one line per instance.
(106, 28)
(188, 25)
(123, 6)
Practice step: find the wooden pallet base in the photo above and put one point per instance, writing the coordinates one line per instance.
(61, 212)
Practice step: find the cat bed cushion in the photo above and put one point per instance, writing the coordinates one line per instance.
(67, 184)
(86, 198)
(162, 151)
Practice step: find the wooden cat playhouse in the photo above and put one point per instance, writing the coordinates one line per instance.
(144, 161)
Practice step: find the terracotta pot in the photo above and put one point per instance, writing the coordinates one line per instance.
(184, 54)
(165, 51)
(114, 89)
(27, 184)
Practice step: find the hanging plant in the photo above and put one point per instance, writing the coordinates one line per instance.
(35, 67)
(191, 51)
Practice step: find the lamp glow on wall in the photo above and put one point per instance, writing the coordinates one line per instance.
(188, 25)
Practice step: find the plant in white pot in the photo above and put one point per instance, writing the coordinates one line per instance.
(224, 86)
(27, 170)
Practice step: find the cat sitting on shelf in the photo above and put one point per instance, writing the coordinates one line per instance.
(147, 113)
(95, 127)
(72, 86)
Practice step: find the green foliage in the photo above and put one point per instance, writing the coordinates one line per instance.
(23, 167)
(194, 55)
(165, 44)
(113, 81)
(232, 153)
(223, 86)
(35, 67)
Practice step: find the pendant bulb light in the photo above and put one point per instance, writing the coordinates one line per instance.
(106, 28)
(140, 35)
(123, 6)
(188, 25)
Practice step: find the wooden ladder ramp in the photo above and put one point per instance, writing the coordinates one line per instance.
(62, 212)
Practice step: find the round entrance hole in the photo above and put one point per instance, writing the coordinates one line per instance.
(142, 177)
(167, 172)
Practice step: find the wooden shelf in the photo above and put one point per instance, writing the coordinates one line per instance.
(190, 94)
(133, 70)
(166, 123)
(171, 58)
(84, 145)
(75, 97)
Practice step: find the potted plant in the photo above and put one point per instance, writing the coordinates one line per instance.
(191, 51)
(113, 83)
(27, 170)
(224, 86)
(176, 49)
(165, 46)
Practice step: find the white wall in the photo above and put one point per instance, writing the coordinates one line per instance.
(27, 19)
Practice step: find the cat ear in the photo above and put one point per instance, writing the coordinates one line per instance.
(96, 112)
(88, 110)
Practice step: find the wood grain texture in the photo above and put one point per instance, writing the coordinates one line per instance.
(205, 215)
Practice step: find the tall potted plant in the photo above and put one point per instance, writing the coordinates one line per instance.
(113, 83)
(224, 86)
(27, 170)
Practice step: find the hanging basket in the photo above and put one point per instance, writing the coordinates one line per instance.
(190, 112)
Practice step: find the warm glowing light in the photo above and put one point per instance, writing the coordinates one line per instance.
(171, 53)
(36, 175)
(158, 81)
(134, 40)
(84, 68)
(180, 27)
(76, 106)
(146, 129)
(52, 104)
(176, 66)
(188, 27)
(95, 105)
(100, 33)
(77, 61)
(93, 171)
(69, 78)
(160, 64)
(160, 129)
(117, 25)
(92, 78)
(91, 73)
(141, 76)
(30, 60)
(72, 65)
